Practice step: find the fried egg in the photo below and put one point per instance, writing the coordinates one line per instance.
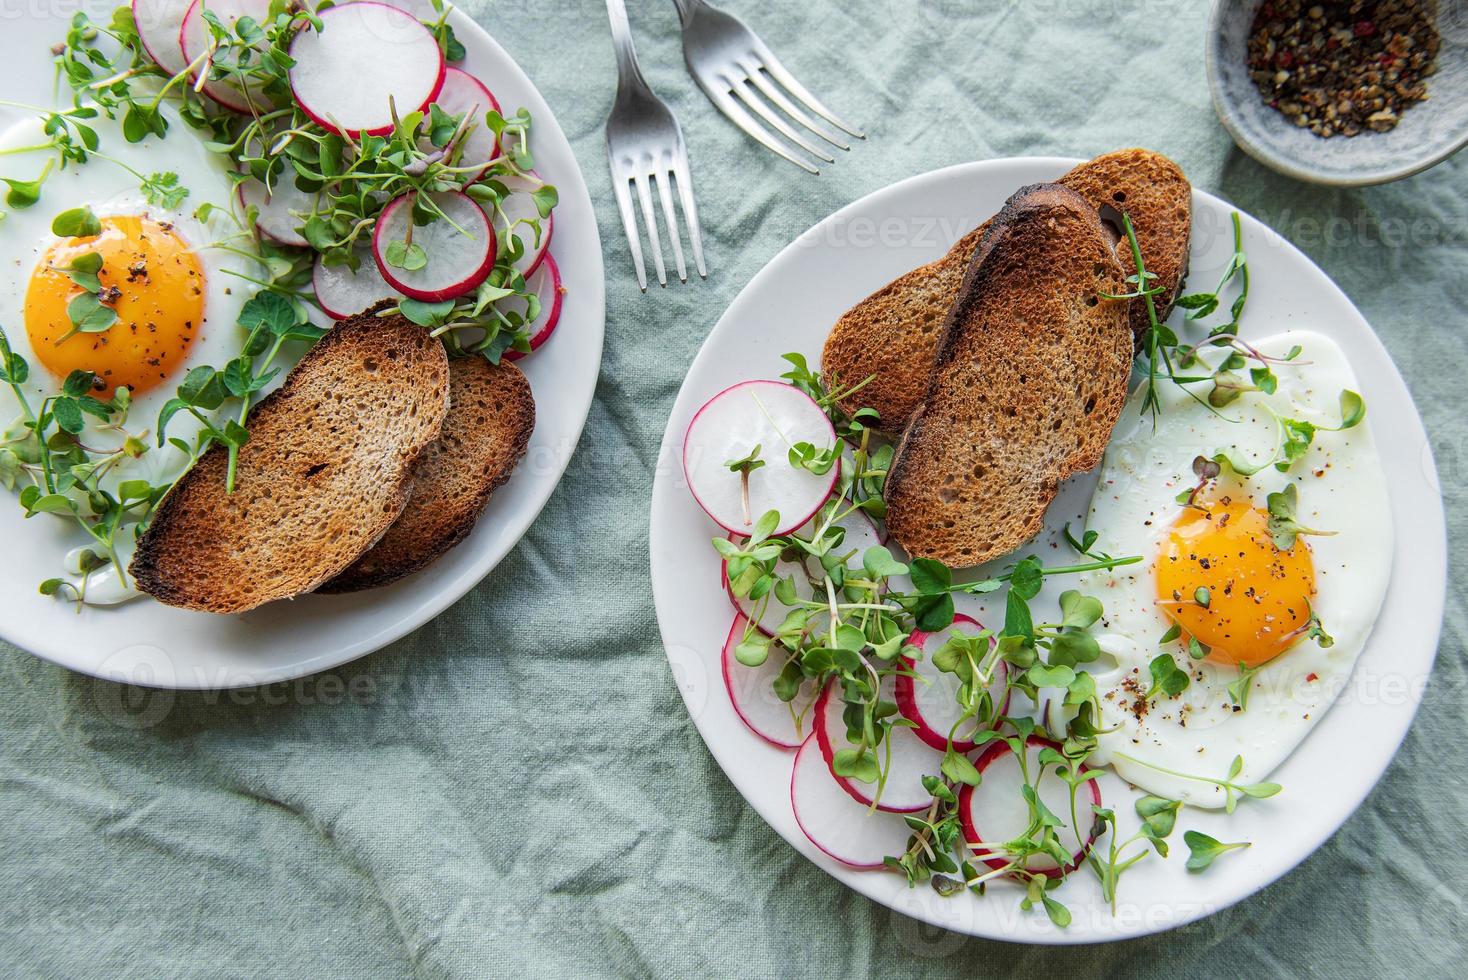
(166, 273)
(1213, 571)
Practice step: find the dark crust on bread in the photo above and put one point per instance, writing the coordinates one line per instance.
(491, 416)
(1029, 378)
(307, 502)
(893, 334)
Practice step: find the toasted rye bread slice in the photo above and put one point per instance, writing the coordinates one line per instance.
(1027, 385)
(1153, 191)
(891, 336)
(491, 416)
(326, 471)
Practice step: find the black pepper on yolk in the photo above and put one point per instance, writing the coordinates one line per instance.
(1258, 597)
(159, 304)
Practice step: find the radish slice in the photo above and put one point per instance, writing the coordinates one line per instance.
(193, 41)
(159, 25)
(751, 689)
(995, 811)
(458, 260)
(861, 534)
(911, 760)
(519, 206)
(546, 284)
(729, 426)
(933, 706)
(463, 93)
(343, 293)
(275, 219)
(367, 58)
(837, 824)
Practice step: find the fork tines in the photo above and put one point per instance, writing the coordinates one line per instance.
(642, 175)
(748, 83)
(743, 97)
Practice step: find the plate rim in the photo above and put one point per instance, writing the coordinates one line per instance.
(573, 187)
(863, 882)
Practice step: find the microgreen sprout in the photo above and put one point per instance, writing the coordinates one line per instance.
(1294, 437)
(1315, 630)
(1204, 849)
(850, 619)
(1165, 355)
(60, 473)
(1167, 677)
(1206, 470)
(1232, 790)
(744, 466)
(350, 180)
(1239, 688)
(1158, 817)
(1283, 527)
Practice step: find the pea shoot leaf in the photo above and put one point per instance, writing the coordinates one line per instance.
(1027, 578)
(88, 314)
(1167, 677)
(930, 577)
(934, 612)
(24, 193)
(1080, 611)
(76, 223)
(858, 764)
(1041, 675)
(959, 769)
(1203, 850)
(879, 563)
(269, 310)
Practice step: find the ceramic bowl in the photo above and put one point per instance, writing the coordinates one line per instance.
(1428, 133)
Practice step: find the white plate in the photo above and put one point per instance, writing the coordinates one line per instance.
(791, 304)
(148, 643)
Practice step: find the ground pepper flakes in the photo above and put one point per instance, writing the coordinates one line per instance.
(1344, 67)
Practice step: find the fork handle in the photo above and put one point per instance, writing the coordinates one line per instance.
(686, 10)
(627, 70)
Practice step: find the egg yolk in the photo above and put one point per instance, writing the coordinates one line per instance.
(150, 278)
(1256, 602)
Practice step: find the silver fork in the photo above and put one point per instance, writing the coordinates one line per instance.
(734, 68)
(645, 147)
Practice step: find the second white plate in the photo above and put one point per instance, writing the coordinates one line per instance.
(145, 642)
(790, 306)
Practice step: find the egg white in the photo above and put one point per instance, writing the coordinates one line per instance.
(1341, 487)
(110, 189)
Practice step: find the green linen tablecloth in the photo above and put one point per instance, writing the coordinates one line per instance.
(517, 789)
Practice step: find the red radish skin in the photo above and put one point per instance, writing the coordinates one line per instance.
(753, 696)
(391, 43)
(843, 829)
(193, 40)
(159, 24)
(460, 93)
(547, 230)
(520, 205)
(475, 256)
(740, 604)
(786, 526)
(908, 698)
(972, 833)
(911, 760)
(550, 281)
